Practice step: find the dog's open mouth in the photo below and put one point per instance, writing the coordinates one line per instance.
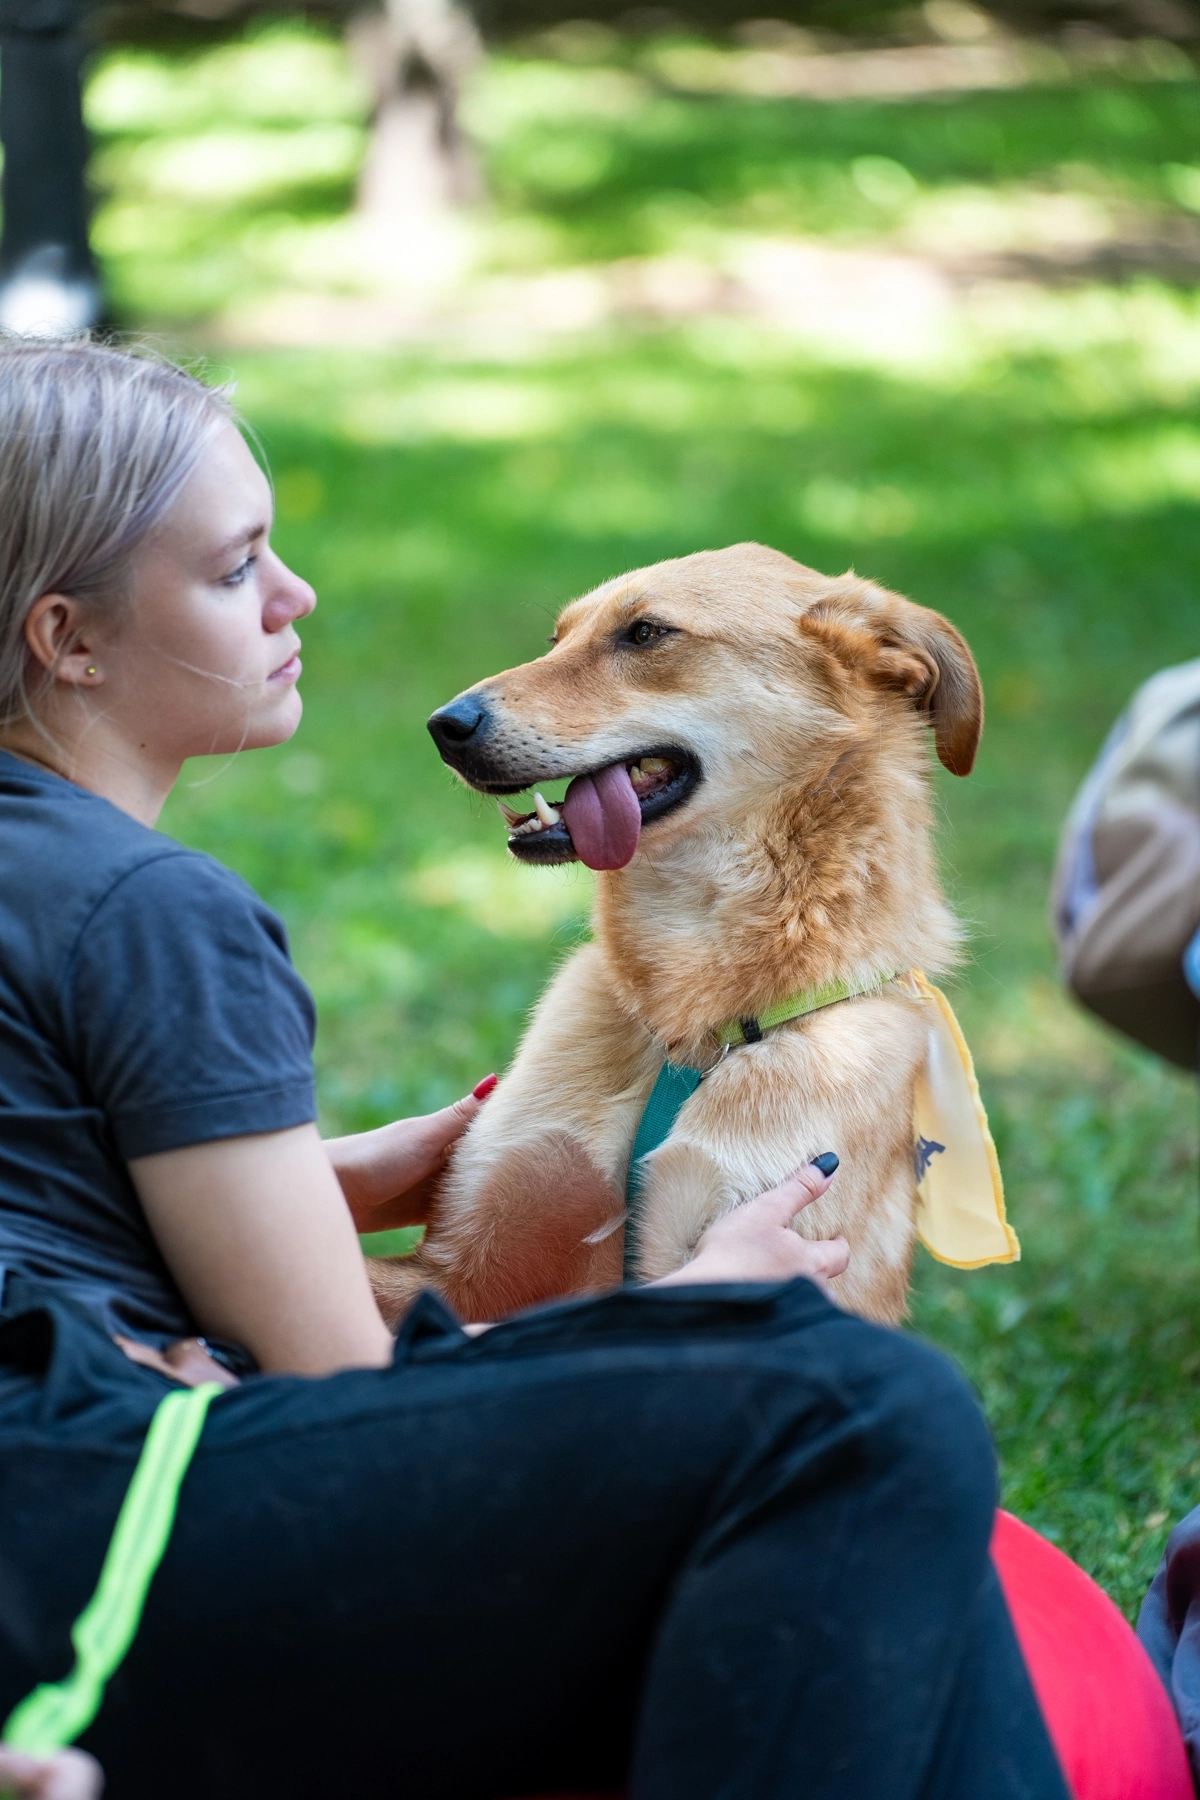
(600, 818)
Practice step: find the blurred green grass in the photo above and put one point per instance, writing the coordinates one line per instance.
(1034, 472)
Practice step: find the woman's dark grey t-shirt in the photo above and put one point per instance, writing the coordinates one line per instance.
(147, 1002)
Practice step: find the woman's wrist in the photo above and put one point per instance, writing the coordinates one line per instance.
(364, 1164)
(389, 1175)
(352, 1164)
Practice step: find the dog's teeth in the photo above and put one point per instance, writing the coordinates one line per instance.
(649, 769)
(549, 815)
(527, 826)
(509, 814)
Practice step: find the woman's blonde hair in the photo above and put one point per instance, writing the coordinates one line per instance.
(95, 444)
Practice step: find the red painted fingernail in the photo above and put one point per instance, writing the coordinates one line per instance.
(485, 1087)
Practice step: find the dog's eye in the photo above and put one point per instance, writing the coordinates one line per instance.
(643, 632)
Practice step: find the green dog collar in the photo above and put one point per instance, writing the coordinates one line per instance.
(808, 1000)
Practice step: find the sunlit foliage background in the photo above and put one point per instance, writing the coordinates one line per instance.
(994, 409)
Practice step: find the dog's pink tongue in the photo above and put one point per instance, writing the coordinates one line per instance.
(603, 817)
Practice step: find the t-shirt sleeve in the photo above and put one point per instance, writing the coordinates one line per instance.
(186, 1015)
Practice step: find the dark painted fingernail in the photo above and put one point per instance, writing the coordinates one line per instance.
(485, 1087)
(827, 1162)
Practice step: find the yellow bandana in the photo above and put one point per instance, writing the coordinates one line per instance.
(960, 1204)
(960, 1193)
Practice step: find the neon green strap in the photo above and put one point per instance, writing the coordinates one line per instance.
(55, 1714)
(808, 1000)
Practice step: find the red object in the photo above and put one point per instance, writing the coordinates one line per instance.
(1107, 1712)
(484, 1088)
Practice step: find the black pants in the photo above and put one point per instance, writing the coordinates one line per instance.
(696, 1542)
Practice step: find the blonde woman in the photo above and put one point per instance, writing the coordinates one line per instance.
(710, 1538)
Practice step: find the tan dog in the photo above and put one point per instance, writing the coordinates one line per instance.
(745, 743)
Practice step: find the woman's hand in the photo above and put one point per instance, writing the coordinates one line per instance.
(68, 1775)
(755, 1241)
(388, 1176)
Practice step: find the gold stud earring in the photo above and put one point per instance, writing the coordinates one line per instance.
(91, 669)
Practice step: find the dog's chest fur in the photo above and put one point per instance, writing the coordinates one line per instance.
(569, 1108)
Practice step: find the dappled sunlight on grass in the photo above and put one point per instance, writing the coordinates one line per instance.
(230, 166)
(280, 76)
(1087, 1354)
(190, 150)
(222, 172)
(500, 896)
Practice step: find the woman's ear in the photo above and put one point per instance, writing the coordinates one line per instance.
(909, 648)
(55, 633)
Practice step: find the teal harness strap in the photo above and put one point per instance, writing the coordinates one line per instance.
(674, 1085)
(55, 1714)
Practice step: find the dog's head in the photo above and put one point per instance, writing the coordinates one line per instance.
(694, 690)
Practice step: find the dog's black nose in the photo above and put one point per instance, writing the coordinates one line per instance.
(452, 726)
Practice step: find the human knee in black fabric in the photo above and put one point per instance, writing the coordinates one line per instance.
(868, 1545)
(460, 1571)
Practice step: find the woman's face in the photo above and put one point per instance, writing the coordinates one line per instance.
(204, 658)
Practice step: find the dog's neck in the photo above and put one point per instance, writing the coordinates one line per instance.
(833, 882)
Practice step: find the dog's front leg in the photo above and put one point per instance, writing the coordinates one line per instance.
(684, 1189)
(531, 1205)
(841, 1080)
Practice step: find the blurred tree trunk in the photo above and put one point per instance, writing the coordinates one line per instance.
(416, 55)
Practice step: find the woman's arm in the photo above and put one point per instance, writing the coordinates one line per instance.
(257, 1234)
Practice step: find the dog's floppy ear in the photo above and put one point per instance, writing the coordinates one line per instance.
(914, 650)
